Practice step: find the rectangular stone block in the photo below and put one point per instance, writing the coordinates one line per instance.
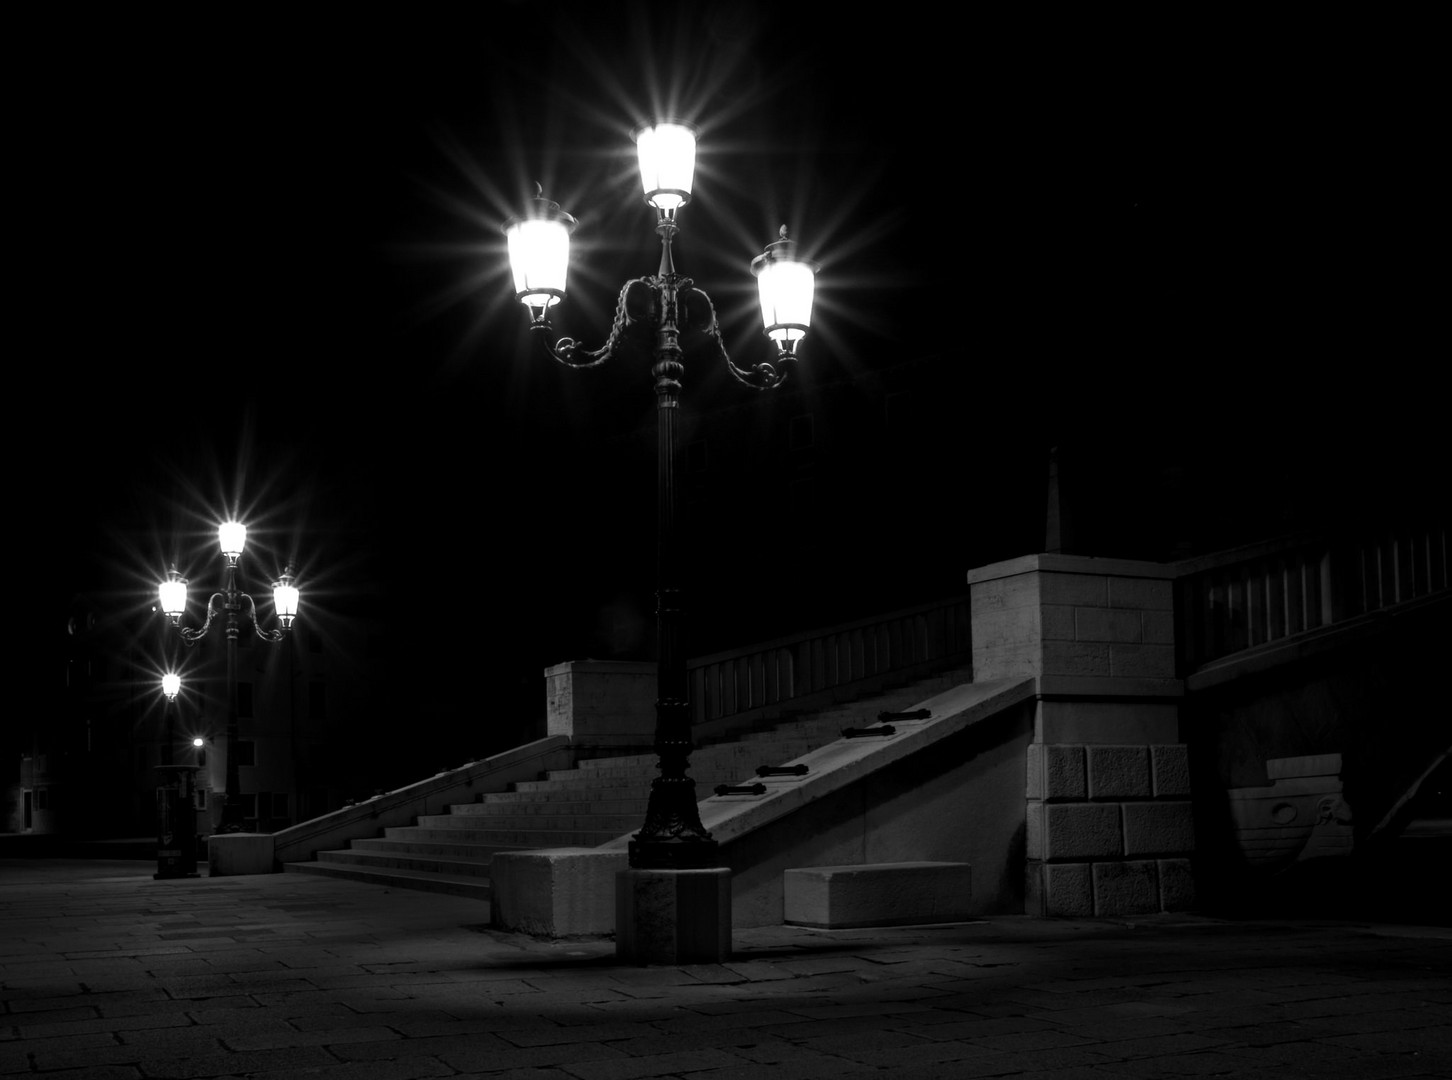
(1064, 774)
(1177, 885)
(1006, 627)
(1158, 828)
(1142, 660)
(1170, 767)
(1006, 661)
(1064, 889)
(1126, 888)
(1119, 772)
(1079, 590)
(1159, 627)
(1106, 722)
(1076, 658)
(1033, 832)
(239, 853)
(1082, 831)
(673, 916)
(1145, 594)
(1058, 621)
(999, 594)
(877, 894)
(1107, 624)
(555, 892)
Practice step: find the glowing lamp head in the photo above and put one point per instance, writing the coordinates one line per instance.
(232, 535)
(285, 598)
(173, 595)
(197, 741)
(539, 254)
(171, 685)
(667, 152)
(785, 284)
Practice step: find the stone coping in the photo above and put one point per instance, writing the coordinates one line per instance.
(1071, 564)
(846, 761)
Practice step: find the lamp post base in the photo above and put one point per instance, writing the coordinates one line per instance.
(673, 916)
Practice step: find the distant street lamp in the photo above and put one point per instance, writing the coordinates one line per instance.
(236, 605)
(656, 311)
(171, 687)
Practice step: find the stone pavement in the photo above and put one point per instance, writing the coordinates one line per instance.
(106, 973)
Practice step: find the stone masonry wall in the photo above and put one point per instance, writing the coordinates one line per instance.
(1109, 829)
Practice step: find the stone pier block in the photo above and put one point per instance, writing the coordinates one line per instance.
(1126, 888)
(1177, 885)
(1158, 828)
(1082, 831)
(1170, 766)
(1119, 772)
(673, 916)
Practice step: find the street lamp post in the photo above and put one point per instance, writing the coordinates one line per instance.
(657, 311)
(236, 606)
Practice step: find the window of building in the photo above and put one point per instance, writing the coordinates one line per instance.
(42, 798)
(248, 803)
(246, 751)
(201, 798)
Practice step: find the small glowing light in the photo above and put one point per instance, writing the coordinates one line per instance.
(171, 685)
(539, 255)
(173, 595)
(785, 284)
(233, 537)
(285, 598)
(667, 153)
(197, 742)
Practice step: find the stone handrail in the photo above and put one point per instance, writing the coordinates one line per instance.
(1250, 597)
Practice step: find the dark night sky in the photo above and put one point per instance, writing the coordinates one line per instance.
(289, 227)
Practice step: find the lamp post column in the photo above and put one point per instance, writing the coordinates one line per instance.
(231, 804)
(672, 837)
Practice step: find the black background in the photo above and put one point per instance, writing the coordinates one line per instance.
(260, 269)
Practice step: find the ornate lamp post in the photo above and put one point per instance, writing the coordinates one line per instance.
(171, 687)
(236, 606)
(656, 311)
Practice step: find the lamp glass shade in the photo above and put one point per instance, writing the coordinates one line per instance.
(285, 598)
(786, 287)
(173, 595)
(233, 537)
(667, 164)
(171, 685)
(539, 255)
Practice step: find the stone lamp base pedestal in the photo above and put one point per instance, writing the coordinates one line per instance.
(673, 916)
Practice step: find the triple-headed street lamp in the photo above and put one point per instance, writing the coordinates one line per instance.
(236, 606)
(656, 311)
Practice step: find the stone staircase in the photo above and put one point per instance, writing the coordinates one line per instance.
(599, 800)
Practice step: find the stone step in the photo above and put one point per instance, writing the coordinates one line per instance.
(477, 888)
(530, 802)
(404, 860)
(598, 801)
(439, 849)
(517, 838)
(587, 821)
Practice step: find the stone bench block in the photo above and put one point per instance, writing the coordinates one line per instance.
(877, 894)
(555, 892)
(239, 853)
